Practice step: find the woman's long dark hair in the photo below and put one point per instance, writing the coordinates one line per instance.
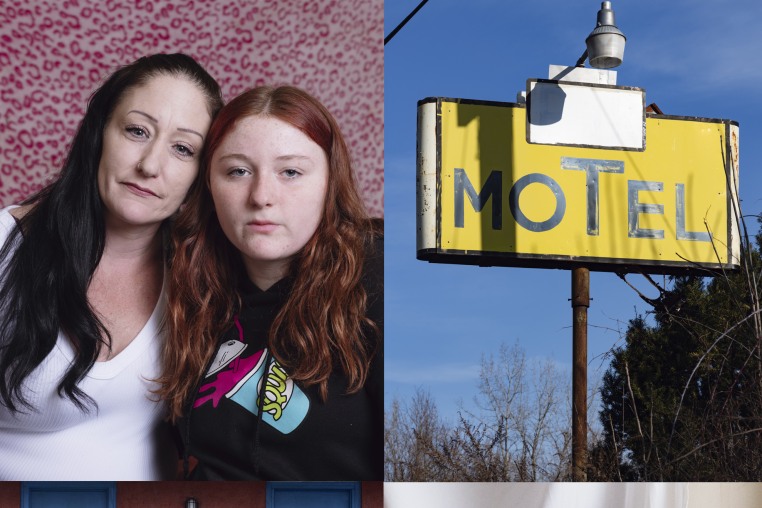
(48, 261)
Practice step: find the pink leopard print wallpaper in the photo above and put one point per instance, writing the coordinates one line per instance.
(53, 54)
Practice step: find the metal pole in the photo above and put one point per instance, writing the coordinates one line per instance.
(580, 302)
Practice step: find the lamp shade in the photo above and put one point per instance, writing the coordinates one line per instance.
(605, 44)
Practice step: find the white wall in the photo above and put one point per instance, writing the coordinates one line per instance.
(573, 495)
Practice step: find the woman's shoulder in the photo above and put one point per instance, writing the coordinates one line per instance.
(9, 217)
(18, 212)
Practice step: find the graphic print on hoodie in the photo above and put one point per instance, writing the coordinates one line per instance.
(240, 380)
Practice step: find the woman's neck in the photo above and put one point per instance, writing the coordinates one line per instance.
(126, 284)
(138, 244)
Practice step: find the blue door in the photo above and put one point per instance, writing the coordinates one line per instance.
(313, 495)
(68, 495)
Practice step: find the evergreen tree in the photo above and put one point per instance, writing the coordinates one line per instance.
(682, 399)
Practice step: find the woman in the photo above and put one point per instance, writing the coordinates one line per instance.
(277, 274)
(82, 290)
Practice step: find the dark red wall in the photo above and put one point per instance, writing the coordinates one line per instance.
(174, 494)
(372, 494)
(10, 494)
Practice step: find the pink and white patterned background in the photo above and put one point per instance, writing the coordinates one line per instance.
(54, 53)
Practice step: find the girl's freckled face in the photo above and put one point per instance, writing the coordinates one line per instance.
(268, 181)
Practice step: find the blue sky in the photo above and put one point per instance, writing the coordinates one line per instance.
(692, 58)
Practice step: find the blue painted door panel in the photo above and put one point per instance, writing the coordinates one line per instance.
(68, 495)
(313, 495)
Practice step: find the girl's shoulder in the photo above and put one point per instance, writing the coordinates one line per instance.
(375, 238)
(374, 252)
(373, 274)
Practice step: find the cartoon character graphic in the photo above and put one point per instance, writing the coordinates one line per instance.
(241, 380)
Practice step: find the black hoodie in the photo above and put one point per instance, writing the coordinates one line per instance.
(297, 436)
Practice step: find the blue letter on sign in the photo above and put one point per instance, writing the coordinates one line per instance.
(492, 187)
(635, 208)
(523, 220)
(682, 234)
(592, 167)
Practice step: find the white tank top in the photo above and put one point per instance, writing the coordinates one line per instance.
(122, 439)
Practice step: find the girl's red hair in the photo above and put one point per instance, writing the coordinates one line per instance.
(322, 327)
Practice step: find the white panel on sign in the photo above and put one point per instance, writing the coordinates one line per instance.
(580, 114)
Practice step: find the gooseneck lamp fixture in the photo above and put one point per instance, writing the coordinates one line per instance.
(605, 44)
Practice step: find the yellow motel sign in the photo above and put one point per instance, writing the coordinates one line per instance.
(489, 196)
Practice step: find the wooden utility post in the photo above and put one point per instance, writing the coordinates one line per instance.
(580, 300)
